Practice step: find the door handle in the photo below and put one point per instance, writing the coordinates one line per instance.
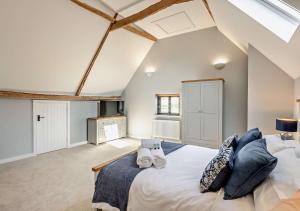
(39, 117)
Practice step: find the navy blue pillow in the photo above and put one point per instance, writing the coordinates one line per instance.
(252, 165)
(248, 137)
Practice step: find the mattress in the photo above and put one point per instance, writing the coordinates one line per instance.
(177, 186)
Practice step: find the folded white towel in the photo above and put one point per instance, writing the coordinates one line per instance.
(150, 143)
(159, 158)
(144, 158)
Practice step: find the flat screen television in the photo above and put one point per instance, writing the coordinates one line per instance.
(110, 108)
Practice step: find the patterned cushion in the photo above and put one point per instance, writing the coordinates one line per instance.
(231, 141)
(217, 171)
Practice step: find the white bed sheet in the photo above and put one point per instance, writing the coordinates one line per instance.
(177, 186)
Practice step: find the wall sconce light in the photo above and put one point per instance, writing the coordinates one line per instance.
(219, 64)
(149, 71)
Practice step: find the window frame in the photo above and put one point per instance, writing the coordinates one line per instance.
(271, 14)
(169, 96)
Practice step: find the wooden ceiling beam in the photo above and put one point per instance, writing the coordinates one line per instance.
(140, 32)
(111, 19)
(94, 10)
(208, 9)
(87, 72)
(36, 96)
(163, 4)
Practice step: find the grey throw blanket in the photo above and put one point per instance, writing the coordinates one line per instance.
(114, 181)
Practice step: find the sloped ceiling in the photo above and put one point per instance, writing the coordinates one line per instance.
(175, 20)
(46, 45)
(121, 55)
(243, 30)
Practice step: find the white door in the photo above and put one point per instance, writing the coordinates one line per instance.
(192, 109)
(210, 111)
(51, 125)
(202, 113)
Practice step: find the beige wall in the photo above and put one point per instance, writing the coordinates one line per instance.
(270, 92)
(294, 3)
(297, 96)
(184, 57)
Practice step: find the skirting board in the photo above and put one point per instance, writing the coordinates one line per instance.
(20, 157)
(137, 137)
(77, 144)
(166, 138)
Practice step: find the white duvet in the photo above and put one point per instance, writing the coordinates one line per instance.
(176, 187)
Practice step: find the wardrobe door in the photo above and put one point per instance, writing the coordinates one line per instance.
(210, 111)
(191, 110)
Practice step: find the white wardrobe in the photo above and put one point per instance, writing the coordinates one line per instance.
(202, 112)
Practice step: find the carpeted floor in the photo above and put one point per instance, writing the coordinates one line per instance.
(55, 181)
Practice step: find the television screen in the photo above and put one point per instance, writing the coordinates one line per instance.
(111, 108)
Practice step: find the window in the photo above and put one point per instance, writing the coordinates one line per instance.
(275, 15)
(168, 104)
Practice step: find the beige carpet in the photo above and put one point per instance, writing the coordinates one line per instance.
(60, 180)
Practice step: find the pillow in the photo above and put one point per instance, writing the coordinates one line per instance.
(252, 165)
(282, 183)
(231, 141)
(275, 144)
(217, 171)
(248, 137)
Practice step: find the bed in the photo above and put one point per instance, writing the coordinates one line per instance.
(176, 187)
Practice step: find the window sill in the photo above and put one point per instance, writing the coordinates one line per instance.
(167, 117)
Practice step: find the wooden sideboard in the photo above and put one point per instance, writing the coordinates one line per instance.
(102, 129)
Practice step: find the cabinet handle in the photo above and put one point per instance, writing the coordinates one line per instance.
(39, 117)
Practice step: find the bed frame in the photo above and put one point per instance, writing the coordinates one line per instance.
(98, 168)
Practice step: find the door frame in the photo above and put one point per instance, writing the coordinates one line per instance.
(34, 104)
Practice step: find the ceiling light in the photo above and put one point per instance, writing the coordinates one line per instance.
(149, 71)
(220, 63)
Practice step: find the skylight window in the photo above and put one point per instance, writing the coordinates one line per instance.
(277, 16)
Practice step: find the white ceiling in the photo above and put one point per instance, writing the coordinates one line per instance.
(121, 55)
(46, 46)
(243, 30)
(175, 20)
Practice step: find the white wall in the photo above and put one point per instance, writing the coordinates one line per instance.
(297, 96)
(16, 126)
(270, 92)
(79, 112)
(184, 57)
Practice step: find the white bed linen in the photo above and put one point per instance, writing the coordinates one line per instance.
(177, 186)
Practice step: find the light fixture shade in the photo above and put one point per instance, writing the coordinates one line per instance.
(149, 71)
(219, 66)
(287, 125)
